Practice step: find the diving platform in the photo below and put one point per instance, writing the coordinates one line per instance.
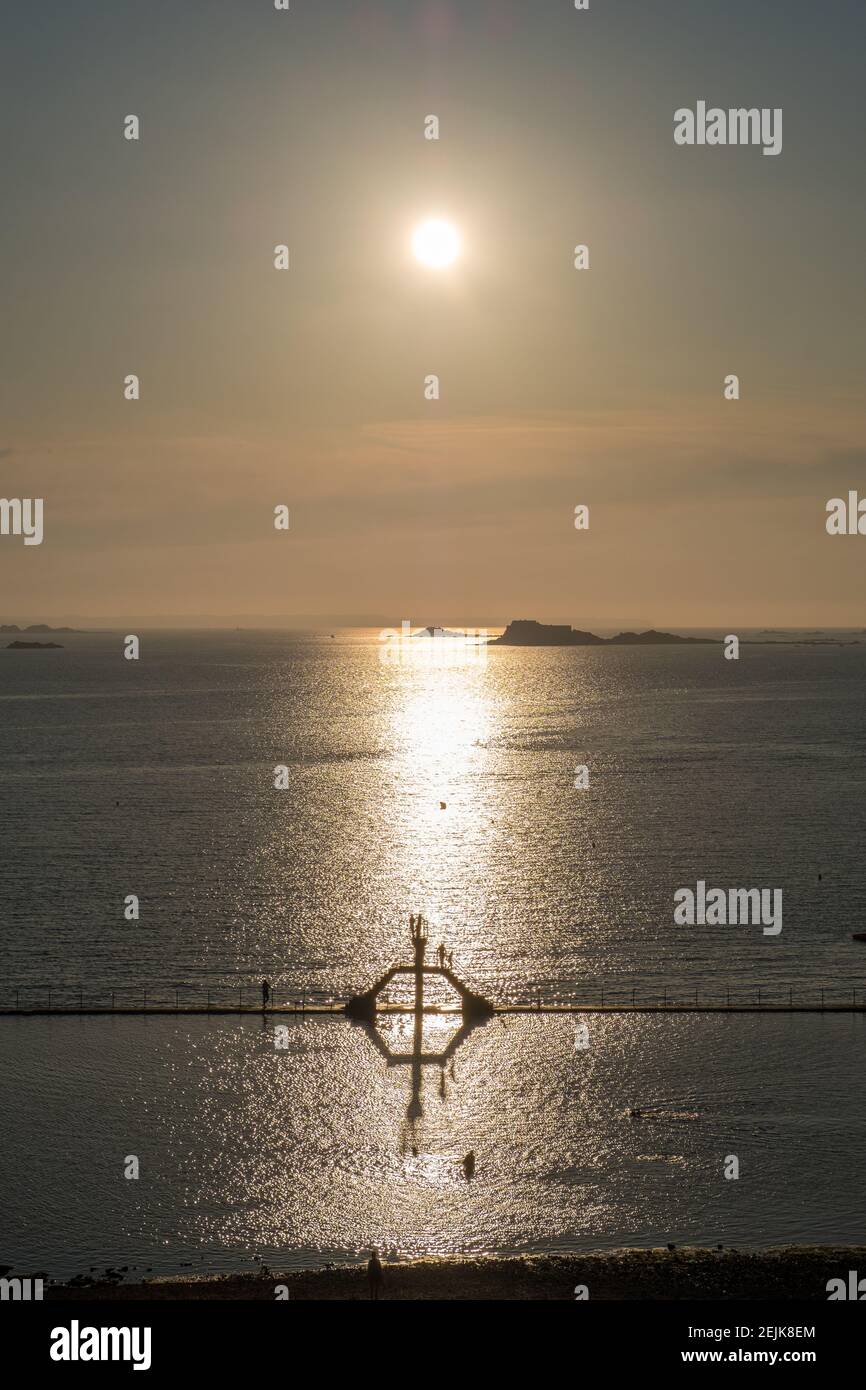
(474, 1007)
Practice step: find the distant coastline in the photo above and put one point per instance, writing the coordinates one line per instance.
(35, 627)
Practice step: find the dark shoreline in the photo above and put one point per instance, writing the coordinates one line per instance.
(798, 1272)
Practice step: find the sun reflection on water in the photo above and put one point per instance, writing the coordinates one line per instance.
(443, 724)
(441, 720)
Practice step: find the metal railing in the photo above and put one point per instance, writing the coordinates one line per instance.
(161, 998)
(693, 997)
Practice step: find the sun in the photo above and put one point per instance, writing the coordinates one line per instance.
(436, 243)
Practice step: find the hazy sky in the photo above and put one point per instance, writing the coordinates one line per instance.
(558, 386)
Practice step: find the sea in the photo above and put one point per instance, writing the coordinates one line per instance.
(235, 805)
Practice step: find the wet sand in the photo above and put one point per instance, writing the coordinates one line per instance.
(783, 1272)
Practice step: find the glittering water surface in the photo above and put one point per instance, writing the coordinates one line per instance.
(156, 778)
(316, 1151)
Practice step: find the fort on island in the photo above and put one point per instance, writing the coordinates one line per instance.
(526, 632)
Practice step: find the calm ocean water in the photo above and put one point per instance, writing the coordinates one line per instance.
(156, 778)
(311, 1154)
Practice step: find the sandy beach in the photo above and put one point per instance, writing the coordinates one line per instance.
(783, 1272)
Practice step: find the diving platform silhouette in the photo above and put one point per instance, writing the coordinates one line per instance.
(473, 1007)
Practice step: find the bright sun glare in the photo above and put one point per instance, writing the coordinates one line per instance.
(435, 243)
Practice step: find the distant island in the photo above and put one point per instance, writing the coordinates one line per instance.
(34, 627)
(526, 632)
(28, 646)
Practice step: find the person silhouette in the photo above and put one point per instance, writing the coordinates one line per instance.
(375, 1273)
(441, 954)
(266, 994)
(469, 1165)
